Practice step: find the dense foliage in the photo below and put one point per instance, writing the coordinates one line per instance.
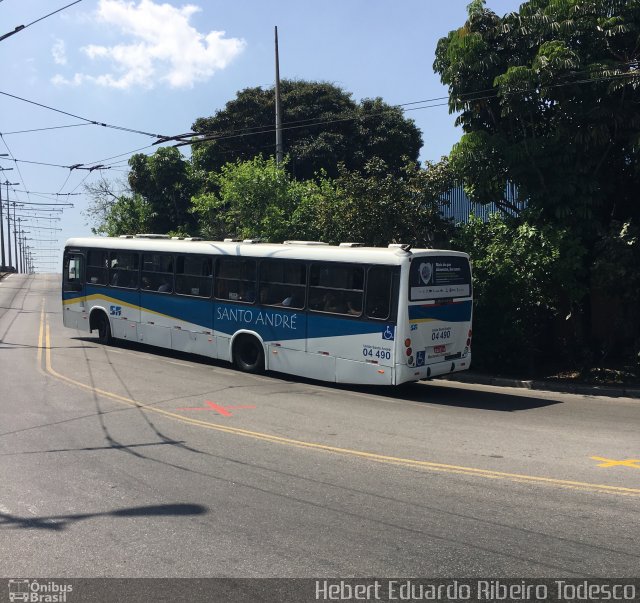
(548, 99)
(322, 128)
(527, 279)
(258, 199)
(165, 182)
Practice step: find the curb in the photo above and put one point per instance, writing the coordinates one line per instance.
(551, 386)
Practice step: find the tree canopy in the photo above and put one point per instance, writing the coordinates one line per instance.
(548, 98)
(259, 199)
(165, 182)
(322, 127)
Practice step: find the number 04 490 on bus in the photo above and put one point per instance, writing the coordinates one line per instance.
(346, 313)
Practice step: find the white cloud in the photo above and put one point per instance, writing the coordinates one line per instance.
(59, 53)
(78, 78)
(164, 47)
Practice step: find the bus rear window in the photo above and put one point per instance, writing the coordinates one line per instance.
(439, 277)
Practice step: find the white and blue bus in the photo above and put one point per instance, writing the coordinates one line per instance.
(347, 313)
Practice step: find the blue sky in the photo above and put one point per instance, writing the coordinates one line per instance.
(157, 66)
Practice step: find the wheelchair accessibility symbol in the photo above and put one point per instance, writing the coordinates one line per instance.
(388, 333)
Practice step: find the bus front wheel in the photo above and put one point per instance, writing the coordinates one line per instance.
(248, 354)
(104, 330)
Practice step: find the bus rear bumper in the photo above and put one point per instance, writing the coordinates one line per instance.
(406, 373)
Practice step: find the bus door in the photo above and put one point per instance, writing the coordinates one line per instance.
(74, 311)
(440, 308)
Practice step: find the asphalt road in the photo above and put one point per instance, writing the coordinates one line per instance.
(130, 461)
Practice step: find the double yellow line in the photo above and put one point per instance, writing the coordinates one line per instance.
(44, 343)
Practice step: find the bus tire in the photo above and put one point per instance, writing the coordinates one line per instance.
(104, 329)
(248, 354)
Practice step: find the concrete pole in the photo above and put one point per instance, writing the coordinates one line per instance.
(1, 228)
(279, 147)
(15, 232)
(8, 225)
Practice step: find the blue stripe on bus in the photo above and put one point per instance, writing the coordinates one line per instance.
(271, 323)
(335, 326)
(193, 310)
(454, 312)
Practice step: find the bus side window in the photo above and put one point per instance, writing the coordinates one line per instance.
(194, 275)
(336, 288)
(72, 272)
(97, 267)
(283, 283)
(157, 272)
(378, 292)
(123, 269)
(236, 279)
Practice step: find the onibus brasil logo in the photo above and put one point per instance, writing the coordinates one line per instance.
(35, 591)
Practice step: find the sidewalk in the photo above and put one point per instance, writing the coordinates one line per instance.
(584, 389)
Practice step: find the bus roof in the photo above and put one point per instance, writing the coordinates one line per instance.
(301, 250)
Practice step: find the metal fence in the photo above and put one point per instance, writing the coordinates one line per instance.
(457, 206)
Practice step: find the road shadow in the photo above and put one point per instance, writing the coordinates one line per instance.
(422, 392)
(448, 395)
(60, 522)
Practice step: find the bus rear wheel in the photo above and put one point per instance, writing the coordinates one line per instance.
(104, 330)
(248, 354)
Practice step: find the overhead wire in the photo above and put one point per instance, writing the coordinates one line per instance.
(45, 129)
(86, 119)
(485, 94)
(22, 27)
(17, 166)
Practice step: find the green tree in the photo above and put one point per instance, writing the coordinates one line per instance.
(525, 277)
(252, 199)
(376, 207)
(323, 127)
(257, 198)
(548, 99)
(166, 182)
(114, 213)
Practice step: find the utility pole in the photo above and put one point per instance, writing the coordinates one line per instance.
(8, 184)
(279, 148)
(23, 251)
(1, 229)
(15, 232)
(19, 235)
(1, 223)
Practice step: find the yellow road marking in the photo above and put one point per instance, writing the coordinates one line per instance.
(635, 463)
(380, 458)
(40, 336)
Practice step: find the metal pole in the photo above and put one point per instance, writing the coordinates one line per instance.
(23, 253)
(279, 148)
(1, 228)
(16, 230)
(8, 224)
(1, 225)
(8, 184)
(20, 262)
(15, 234)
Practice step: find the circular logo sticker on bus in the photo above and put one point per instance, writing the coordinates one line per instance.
(426, 272)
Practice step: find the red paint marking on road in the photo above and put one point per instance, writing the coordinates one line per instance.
(222, 410)
(219, 409)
